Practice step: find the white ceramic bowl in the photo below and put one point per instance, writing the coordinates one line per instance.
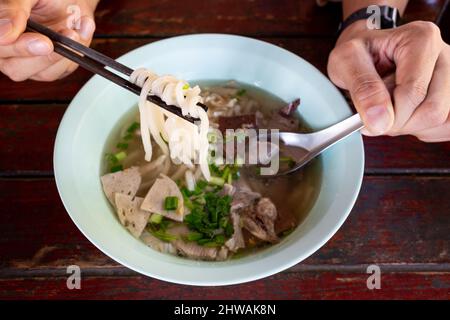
(99, 105)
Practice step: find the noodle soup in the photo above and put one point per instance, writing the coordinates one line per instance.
(174, 209)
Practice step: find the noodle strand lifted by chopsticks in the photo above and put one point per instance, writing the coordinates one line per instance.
(183, 141)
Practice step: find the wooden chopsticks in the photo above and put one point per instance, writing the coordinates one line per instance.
(97, 62)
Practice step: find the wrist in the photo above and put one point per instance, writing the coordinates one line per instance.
(352, 31)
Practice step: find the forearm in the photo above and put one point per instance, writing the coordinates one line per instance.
(350, 6)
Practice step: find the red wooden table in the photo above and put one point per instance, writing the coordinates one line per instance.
(401, 220)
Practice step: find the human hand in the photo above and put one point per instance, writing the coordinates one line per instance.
(26, 55)
(398, 79)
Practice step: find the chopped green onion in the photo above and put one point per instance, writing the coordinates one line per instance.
(111, 159)
(122, 146)
(212, 137)
(288, 160)
(128, 137)
(217, 181)
(226, 173)
(194, 236)
(219, 239)
(211, 244)
(200, 200)
(156, 218)
(133, 127)
(241, 92)
(171, 203)
(204, 241)
(117, 168)
(162, 235)
(121, 155)
(230, 179)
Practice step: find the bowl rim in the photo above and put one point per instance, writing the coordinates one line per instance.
(59, 171)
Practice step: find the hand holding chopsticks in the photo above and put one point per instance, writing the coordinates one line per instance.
(97, 62)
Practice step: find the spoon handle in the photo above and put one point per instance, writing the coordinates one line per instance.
(325, 138)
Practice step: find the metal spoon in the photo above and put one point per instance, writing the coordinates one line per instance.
(313, 144)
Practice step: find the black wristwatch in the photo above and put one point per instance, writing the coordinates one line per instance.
(389, 17)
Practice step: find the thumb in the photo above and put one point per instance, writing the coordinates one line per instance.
(351, 67)
(13, 19)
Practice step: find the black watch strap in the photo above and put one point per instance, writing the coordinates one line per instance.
(390, 17)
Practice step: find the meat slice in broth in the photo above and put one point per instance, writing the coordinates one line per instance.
(197, 252)
(154, 200)
(157, 244)
(257, 214)
(243, 198)
(130, 214)
(236, 241)
(125, 182)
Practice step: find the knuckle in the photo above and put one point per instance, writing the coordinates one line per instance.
(428, 29)
(346, 50)
(436, 114)
(415, 91)
(12, 72)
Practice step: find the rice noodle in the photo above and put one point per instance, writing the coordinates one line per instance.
(190, 180)
(183, 141)
(151, 166)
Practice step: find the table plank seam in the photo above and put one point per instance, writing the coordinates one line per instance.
(114, 271)
(381, 173)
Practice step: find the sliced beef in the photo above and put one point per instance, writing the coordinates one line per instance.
(243, 198)
(283, 119)
(257, 214)
(260, 221)
(282, 123)
(245, 121)
(222, 254)
(236, 241)
(195, 251)
(157, 244)
(290, 109)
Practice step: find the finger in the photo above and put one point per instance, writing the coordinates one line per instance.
(415, 53)
(65, 67)
(13, 19)
(58, 71)
(351, 67)
(28, 44)
(434, 111)
(62, 67)
(20, 69)
(87, 28)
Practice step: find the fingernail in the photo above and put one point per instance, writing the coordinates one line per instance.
(6, 27)
(38, 47)
(379, 119)
(87, 28)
